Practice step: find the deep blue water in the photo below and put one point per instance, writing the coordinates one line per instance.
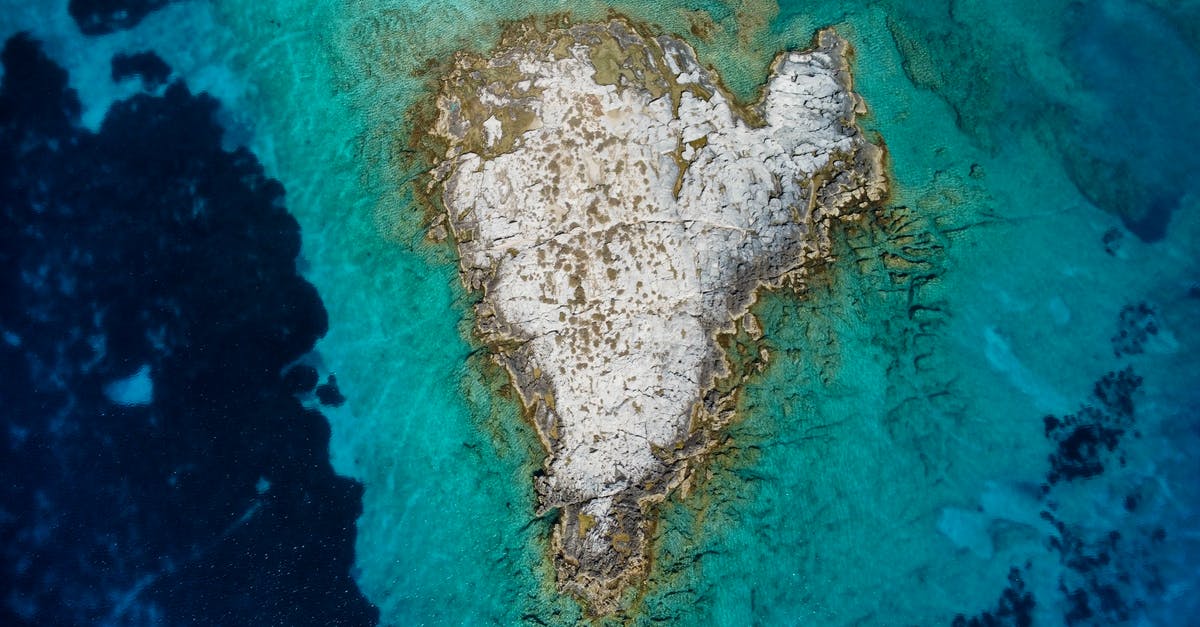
(157, 468)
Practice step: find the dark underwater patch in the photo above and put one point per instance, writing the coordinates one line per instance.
(1136, 325)
(100, 17)
(158, 468)
(148, 66)
(1108, 575)
(329, 394)
(1083, 440)
(1013, 609)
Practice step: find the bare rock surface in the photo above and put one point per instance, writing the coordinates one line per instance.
(619, 212)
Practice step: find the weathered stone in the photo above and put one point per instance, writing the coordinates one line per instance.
(619, 212)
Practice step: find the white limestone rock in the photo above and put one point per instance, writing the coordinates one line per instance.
(619, 211)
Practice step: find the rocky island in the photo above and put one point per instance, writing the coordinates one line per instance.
(618, 211)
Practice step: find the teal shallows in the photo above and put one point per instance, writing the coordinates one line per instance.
(882, 408)
(892, 424)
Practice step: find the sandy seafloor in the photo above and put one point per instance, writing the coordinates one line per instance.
(895, 464)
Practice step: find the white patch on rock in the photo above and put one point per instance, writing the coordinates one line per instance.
(494, 130)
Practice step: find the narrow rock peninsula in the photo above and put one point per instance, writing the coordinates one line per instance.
(619, 212)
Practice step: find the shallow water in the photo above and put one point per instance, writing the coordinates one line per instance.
(894, 464)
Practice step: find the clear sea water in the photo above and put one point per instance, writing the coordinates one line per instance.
(943, 431)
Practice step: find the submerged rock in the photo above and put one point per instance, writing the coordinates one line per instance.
(101, 17)
(147, 66)
(1015, 607)
(329, 394)
(619, 212)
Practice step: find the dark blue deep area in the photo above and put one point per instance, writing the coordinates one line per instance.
(1134, 155)
(147, 247)
(98, 17)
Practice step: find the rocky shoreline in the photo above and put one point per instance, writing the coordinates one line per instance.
(619, 213)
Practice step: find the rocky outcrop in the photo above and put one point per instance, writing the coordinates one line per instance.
(619, 212)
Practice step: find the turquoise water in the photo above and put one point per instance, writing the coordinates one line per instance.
(837, 500)
(890, 464)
